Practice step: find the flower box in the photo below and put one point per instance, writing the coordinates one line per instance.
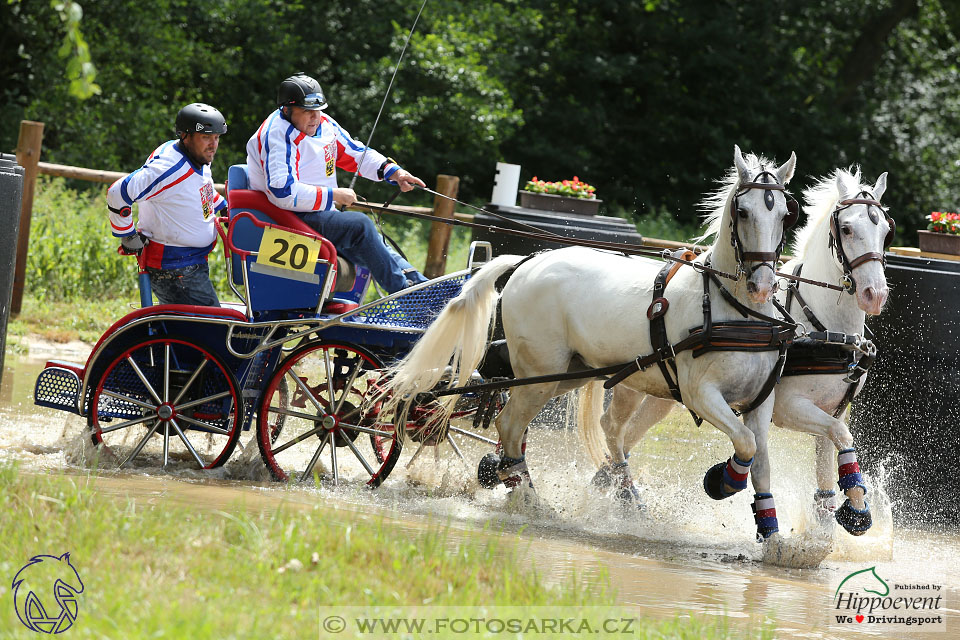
(563, 204)
(933, 242)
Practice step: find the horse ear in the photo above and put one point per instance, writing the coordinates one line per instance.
(785, 171)
(881, 186)
(742, 169)
(846, 188)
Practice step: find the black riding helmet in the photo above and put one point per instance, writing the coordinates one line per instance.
(200, 118)
(300, 90)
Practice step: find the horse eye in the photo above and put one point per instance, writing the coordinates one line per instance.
(846, 230)
(742, 212)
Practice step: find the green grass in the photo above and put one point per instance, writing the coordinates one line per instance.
(161, 570)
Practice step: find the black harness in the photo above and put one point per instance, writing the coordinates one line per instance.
(828, 352)
(765, 333)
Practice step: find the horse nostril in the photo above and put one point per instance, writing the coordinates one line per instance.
(868, 294)
(752, 287)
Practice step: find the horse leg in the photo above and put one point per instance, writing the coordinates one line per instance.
(800, 413)
(522, 407)
(725, 478)
(825, 497)
(764, 509)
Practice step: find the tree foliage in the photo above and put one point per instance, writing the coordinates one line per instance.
(644, 99)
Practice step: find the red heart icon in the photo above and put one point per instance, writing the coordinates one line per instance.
(859, 618)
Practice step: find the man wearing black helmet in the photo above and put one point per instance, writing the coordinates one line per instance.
(293, 158)
(177, 209)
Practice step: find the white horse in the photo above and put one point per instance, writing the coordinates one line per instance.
(843, 240)
(575, 308)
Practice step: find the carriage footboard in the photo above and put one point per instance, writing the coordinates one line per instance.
(58, 386)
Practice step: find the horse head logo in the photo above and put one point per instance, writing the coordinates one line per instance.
(866, 580)
(43, 581)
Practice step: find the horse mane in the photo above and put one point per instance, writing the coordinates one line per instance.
(717, 202)
(819, 202)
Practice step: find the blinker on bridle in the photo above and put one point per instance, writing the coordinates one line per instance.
(763, 258)
(836, 239)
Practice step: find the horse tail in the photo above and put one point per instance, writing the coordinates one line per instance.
(457, 337)
(589, 410)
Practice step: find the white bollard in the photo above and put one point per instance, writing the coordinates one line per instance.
(506, 183)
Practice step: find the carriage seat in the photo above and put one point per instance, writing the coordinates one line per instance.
(350, 283)
(241, 196)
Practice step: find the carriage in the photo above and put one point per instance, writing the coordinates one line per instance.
(298, 360)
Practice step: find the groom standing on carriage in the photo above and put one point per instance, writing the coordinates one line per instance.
(293, 157)
(178, 209)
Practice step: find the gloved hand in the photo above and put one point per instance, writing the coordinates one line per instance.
(132, 244)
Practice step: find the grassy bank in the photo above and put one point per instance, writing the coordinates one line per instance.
(155, 569)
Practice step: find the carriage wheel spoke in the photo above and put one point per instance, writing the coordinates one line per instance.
(360, 457)
(456, 449)
(136, 369)
(166, 375)
(346, 389)
(139, 403)
(190, 380)
(166, 443)
(204, 425)
(294, 414)
(128, 423)
(326, 366)
(303, 387)
(415, 454)
(201, 401)
(183, 437)
(140, 445)
(475, 436)
(333, 460)
(369, 430)
(316, 456)
(299, 438)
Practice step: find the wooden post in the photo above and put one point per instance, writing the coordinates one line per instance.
(28, 155)
(440, 232)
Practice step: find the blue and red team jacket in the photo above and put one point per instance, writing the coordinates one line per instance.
(178, 208)
(298, 172)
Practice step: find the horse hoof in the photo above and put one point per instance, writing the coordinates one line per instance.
(602, 479)
(713, 482)
(629, 499)
(855, 521)
(487, 471)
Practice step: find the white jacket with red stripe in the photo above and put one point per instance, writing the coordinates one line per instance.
(177, 205)
(298, 172)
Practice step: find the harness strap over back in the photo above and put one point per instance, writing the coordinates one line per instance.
(766, 333)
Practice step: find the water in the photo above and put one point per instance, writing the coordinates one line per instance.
(685, 553)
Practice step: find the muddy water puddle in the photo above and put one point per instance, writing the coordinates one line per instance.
(684, 553)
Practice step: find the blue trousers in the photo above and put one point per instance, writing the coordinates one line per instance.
(184, 285)
(357, 239)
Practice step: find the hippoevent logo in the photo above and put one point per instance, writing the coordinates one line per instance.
(45, 594)
(863, 598)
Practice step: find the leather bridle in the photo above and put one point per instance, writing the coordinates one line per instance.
(836, 238)
(762, 258)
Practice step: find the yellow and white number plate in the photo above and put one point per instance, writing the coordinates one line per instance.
(284, 250)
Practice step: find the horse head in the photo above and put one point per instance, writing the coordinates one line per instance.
(759, 211)
(860, 231)
(45, 591)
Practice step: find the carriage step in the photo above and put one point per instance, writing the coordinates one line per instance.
(58, 386)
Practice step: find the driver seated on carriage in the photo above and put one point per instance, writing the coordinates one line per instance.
(293, 157)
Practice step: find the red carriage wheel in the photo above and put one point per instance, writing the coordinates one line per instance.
(166, 397)
(324, 417)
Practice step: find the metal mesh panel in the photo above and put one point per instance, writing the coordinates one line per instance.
(58, 389)
(416, 309)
